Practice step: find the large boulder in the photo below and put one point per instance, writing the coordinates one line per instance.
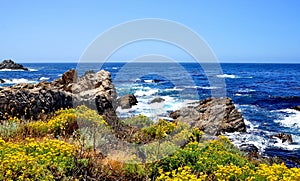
(127, 101)
(9, 64)
(214, 116)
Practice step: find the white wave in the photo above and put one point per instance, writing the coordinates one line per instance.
(241, 95)
(291, 120)
(174, 89)
(11, 70)
(286, 145)
(154, 111)
(250, 125)
(32, 70)
(114, 68)
(209, 88)
(248, 138)
(227, 76)
(44, 78)
(17, 70)
(246, 90)
(59, 75)
(137, 80)
(148, 81)
(201, 87)
(145, 92)
(18, 81)
(238, 95)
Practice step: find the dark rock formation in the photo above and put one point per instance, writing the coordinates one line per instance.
(2, 81)
(157, 100)
(250, 150)
(94, 90)
(284, 137)
(9, 64)
(127, 101)
(296, 108)
(213, 115)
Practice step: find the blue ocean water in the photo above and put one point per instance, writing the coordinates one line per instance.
(264, 93)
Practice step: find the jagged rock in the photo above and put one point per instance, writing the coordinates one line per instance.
(127, 101)
(250, 149)
(29, 100)
(2, 81)
(157, 100)
(69, 76)
(213, 115)
(9, 64)
(284, 137)
(296, 108)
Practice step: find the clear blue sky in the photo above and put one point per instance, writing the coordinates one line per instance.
(237, 31)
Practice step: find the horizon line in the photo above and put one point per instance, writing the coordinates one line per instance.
(221, 62)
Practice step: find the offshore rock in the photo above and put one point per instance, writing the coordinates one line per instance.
(296, 108)
(213, 116)
(9, 64)
(157, 100)
(284, 137)
(127, 101)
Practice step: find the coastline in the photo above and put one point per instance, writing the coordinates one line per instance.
(140, 136)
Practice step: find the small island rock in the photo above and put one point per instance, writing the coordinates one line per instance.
(284, 137)
(127, 101)
(9, 64)
(157, 100)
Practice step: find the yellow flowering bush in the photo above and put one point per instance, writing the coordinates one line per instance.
(181, 174)
(173, 152)
(274, 172)
(64, 122)
(35, 159)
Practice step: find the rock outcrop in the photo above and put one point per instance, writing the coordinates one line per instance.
(284, 137)
(127, 101)
(157, 100)
(250, 150)
(94, 90)
(214, 116)
(296, 108)
(9, 64)
(2, 81)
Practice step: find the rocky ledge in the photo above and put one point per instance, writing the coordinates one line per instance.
(28, 101)
(213, 116)
(9, 64)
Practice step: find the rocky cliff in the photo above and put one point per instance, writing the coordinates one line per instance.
(28, 101)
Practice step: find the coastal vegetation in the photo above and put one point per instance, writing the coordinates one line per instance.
(65, 146)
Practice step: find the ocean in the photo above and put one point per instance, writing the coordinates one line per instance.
(264, 93)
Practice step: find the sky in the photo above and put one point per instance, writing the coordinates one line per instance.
(241, 31)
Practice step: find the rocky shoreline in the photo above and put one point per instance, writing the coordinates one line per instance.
(214, 116)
